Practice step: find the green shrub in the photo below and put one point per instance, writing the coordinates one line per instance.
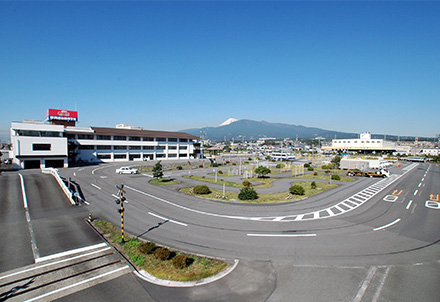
(327, 172)
(201, 189)
(297, 190)
(220, 172)
(179, 168)
(246, 184)
(215, 165)
(315, 173)
(313, 185)
(181, 261)
(247, 193)
(306, 165)
(147, 247)
(336, 177)
(309, 168)
(162, 253)
(280, 166)
(200, 166)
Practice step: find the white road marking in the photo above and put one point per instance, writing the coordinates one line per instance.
(75, 251)
(78, 283)
(409, 204)
(53, 263)
(416, 192)
(166, 219)
(281, 235)
(387, 225)
(365, 284)
(34, 246)
(382, 282)
(93, 185)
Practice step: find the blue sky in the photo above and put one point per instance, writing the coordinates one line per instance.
(346, 66)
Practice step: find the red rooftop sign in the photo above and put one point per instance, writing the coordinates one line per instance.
(62, 115)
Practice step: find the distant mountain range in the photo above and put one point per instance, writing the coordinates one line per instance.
(253, 130)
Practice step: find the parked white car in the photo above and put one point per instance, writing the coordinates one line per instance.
(126, 170)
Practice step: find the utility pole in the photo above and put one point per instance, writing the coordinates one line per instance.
(121, 210)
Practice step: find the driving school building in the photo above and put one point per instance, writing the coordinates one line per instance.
(60, 143)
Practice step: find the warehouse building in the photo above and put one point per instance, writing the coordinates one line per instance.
(364, 144)
(58, 142)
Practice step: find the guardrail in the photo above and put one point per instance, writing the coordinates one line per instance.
(63, 186)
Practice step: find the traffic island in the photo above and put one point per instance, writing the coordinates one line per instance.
(161, 265)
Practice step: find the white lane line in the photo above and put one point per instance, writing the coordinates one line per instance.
(53, 263)
(409, 204)
(365, 284)
(166, 219)
(387, 225)
(78, 283)
(420, 184)
(281, 235)
(93, 185)
(416, 192)
(34, 246)
(382, 282)
(75, 251)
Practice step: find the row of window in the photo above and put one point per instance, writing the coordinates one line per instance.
(35, 133)
(355, 142)
(124, 138)
(108, 147)
(136, 156)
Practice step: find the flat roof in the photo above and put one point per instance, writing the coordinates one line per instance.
(142, 133)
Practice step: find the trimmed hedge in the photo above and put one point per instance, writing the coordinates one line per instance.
(247, 193)
(162, 253)
(201, 189)
(147, 247)
(181, 261)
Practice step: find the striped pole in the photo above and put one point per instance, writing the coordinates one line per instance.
(121, 211)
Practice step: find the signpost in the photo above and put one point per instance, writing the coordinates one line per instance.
(121, 210)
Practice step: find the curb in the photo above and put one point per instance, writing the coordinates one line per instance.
(169, 283)
(162, 282)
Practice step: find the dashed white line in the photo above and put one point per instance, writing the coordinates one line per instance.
(166, 219)
(281, 235)
(93, 185)
(415, 193)
(387, 225)
(409, 204)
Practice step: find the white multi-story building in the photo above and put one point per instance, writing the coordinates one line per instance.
(60, 143)
(363, 143)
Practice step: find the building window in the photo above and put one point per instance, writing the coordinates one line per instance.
(104, 147)
(134, 147)
(134, 138)
(119, 147)
(161, 139)
(104, 156)
(172, 155)
(86, 147)
(104, 137)
(148, 139)
(85, 136)
(148, 147)
(41, 147)
(183, 147)
(119, 138)
(160, 148)
(172, 139)
(120, 156)
(183, 140)
(172, 147)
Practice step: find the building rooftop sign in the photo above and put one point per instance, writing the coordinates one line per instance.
(62, 115)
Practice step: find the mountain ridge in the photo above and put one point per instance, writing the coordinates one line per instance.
(252, 130)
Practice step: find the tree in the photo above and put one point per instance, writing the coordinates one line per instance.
(158, 170)
(297, 190)
(336, 161)
(262, 171)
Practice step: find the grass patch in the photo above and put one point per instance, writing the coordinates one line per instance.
(265, 182)
(324, 176)
(199, 267)
(268, 198)
(163, 181)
